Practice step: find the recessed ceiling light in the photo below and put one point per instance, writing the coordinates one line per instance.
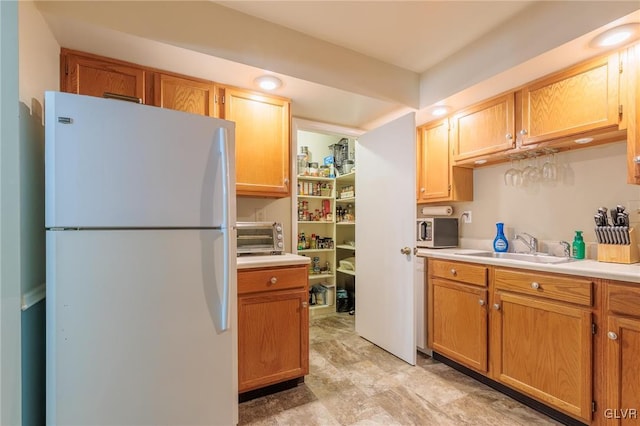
(441, 110)
(617, 35)
(268, 82)
(583, 140)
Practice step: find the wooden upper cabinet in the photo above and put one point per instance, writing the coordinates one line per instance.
(95, 76)
(580, 99)
(436, 179)
(262, 142)
(433, 157)
(485, 128)
(631, 82)
(185, 94)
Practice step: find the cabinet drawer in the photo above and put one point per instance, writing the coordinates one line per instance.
(565, 289)
(257, 280)
(623, 299)
(463, 272)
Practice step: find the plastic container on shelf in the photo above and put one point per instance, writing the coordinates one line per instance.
(500, 243)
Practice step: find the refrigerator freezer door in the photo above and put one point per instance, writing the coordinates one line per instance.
(134, 328)
(115, 164)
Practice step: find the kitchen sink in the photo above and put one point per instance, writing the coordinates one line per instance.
(526, 257)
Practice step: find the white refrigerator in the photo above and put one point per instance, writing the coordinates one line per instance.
(141, 265)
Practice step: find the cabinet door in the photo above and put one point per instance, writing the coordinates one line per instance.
(96, 77)
(184, 94)
(578, 100)
(632, 113)
(436, 179)
(622, 366)
(544, 349)
(262, 142)
(433, 166)
(273, 338)
(484, 129)
(458, 322)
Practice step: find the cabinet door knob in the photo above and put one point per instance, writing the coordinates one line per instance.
(535, 285)
(305, 304)
(496, 306)
(405, 250)
(523, 132)
(481, 302)
(454, 272)
(273, 280)
(508, 136)
(422, 189)
(611, 335)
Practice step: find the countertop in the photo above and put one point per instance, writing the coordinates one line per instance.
(585, 268)
(272, 261)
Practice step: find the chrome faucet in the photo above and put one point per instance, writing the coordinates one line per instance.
(566, 248)
(531, 243)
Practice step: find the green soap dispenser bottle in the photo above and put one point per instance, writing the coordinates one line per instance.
(578, 246)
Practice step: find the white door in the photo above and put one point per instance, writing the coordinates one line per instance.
(385, 185)
(134, 328)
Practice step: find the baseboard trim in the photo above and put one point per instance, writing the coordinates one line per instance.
(268, 390)
(524, 399)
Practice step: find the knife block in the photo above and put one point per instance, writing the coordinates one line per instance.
(619, 253)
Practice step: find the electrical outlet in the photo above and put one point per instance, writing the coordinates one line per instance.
(261, 215)
(466, 215)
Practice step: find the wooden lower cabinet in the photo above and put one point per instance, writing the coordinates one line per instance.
(457, 299)
(460, 323)
(273, 326)
(622, 355)
(532, 332)
(544, 349)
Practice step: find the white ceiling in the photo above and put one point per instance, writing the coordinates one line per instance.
(414, 35)
(355, 64)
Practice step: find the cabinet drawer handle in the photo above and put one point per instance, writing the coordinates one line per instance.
(481, 302)
(611, 335)
(496, 306)
(273, 280)
(454, 272)
(535, 285)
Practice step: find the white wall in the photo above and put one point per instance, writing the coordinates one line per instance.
(9, 218)
(38, 71)
(591, 177)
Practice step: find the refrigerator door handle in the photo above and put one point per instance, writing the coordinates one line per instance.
(224, 151)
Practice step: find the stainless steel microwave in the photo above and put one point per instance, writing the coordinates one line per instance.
(437, 232)
(259, 238)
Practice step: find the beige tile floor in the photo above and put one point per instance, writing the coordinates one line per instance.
(353, 382)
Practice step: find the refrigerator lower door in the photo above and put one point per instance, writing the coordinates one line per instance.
(134, 333)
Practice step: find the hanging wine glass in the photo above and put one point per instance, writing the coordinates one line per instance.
(549, 168)
(513, 175)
